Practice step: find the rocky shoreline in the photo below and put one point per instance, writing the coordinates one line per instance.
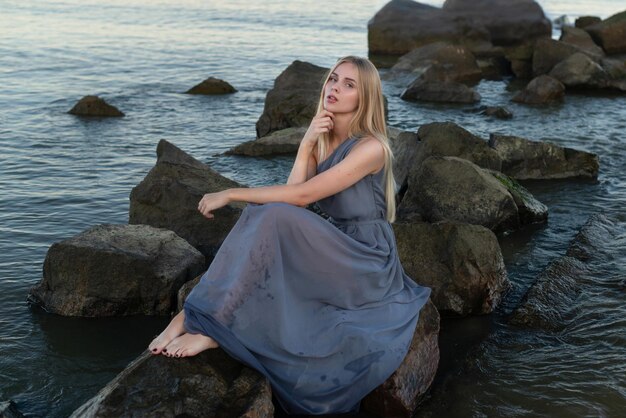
(457, 192)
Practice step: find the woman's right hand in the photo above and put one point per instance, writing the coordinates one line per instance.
(322, 122)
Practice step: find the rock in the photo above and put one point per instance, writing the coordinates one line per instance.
(169, 194)
(461, 263)
(551, 296)
(584, 21)
(521, 59)
(610, 33)
(184, 292)
(293, 99)
(550, 301)
(547, 53)
(8, 409)
(581, 39)
(405, 389)
(403, 25)
(212, 86)
(284, 141)
(508, 22)
(615, 68)
(211, 384)
(529, 209)
(451, 140)
(433, 91)
(404, 146)
(94, 106)
(578, 70)
(446, 61)
(540, 90)
(524, 159)
(497, 112)
(116, 270)
(452, 188)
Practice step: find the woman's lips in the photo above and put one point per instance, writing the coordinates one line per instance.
(331, 99)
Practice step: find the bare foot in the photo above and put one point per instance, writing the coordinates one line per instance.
(173, 330)
(188, 345)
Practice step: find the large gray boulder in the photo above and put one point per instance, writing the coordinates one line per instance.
(610, 33)
(439, 91)
(406, 388)
(461, 263)
(550, 302)
(581, 39)
(549, 52)
(169, 194)
(449, 139)
(293, 99)
(578, 70)
(284, 141)
(440, 61)
(452, 188)
(541, 90)
(116, 270)
(94, 106)
(211, 384)
(404, 145)
(524, 159)
(403, 25)
(508, 21)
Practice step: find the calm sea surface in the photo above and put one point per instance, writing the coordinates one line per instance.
(60, 174)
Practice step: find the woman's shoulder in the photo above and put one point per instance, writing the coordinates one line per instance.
(372, 149)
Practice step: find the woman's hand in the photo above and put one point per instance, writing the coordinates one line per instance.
(212, 201)
(321, 123)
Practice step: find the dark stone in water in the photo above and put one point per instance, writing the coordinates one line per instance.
(94, 106)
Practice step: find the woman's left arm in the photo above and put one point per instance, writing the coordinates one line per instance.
(365, 158)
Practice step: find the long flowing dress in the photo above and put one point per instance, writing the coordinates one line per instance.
(321, 307)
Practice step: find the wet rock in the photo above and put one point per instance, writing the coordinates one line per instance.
(184, 292)
(578, 70)
(451, 140)
(445, 62)
(547, 53)
(403, 25)
(551, 297)
(293, 99)
(405, 389)
(116, 270)
(211, 384)
(508, 22)
(94, 106)
(615, 68)
(452, 188)
(284, 141)
(610, 33)
(541, 90)
(524, 159)
(521, 59)
(581, 39)
(446, 91)
(497, 112)
(529, 209)
(404, 146)
(550, 302)
(8, 409)
(584, 21)
(212, 86)
(169, 194)
(461, 263)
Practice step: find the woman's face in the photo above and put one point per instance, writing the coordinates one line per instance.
(340, 91)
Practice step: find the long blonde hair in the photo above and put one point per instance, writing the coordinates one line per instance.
(368, 120)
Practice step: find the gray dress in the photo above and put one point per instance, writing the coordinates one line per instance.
(321, 307)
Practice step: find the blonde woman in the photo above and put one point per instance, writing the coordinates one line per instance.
(321, 307)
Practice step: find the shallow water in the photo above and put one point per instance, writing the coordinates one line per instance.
(60, 174)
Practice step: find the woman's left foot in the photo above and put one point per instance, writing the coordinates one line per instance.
(188, 345)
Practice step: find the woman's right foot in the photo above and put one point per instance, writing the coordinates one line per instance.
(171, 332)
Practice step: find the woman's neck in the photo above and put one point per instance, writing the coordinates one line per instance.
(340, 129)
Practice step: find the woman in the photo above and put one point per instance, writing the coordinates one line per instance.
(322, 308)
